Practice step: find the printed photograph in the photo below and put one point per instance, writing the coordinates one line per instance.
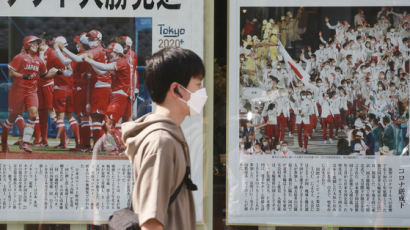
(67, 84)
(324, 80)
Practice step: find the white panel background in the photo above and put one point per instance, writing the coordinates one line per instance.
(190, 17)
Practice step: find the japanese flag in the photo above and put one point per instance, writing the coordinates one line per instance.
(297, 69)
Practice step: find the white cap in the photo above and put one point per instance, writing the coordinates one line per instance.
(84, 39)
(115, 47)
(360, 134)
(358, 124)
(384, 150)
(61, 39)
(118, 49)
(357, 147)
(128, 41)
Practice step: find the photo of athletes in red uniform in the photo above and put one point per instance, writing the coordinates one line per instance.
(26, 68)
(92, 87)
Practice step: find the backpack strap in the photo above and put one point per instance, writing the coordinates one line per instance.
(187, 180)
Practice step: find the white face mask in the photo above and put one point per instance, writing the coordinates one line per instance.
(196, 102)
(284, 148)
(78, 48)
(93, 44)
(309, 96)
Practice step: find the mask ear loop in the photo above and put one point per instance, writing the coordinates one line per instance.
(181, 98)
(185, 89)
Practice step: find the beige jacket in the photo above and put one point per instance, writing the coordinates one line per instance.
(158, 151)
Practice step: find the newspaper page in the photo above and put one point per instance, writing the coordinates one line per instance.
(318, 113)
(48, 171)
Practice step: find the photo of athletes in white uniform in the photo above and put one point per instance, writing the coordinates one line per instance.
(321, 83)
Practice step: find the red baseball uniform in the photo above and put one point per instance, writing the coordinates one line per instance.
(81, 70)
(100, 84)
(45, 87)
(120, 103)
(63, 85)
(23, 93)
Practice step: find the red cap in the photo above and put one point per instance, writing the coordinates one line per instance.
(110, 47)
(95, 34)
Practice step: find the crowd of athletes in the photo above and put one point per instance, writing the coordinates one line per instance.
(357, 93)
(96, 84)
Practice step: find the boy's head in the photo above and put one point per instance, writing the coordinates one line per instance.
(168, 66)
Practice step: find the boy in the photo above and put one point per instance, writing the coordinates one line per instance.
(156, 145)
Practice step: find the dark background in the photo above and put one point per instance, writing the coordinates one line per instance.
(18, 27)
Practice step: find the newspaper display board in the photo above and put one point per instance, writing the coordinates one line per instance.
(47, 190)
(305, 108)
(33, 188)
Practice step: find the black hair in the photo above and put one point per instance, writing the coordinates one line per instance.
(343, 147)
(86, 46)
(381, 83)
(271, 106)
(275, 79)
(341, 88)
(372, 116)
(338, 68)
(171, 65)
(386, 119)
(362, 116)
